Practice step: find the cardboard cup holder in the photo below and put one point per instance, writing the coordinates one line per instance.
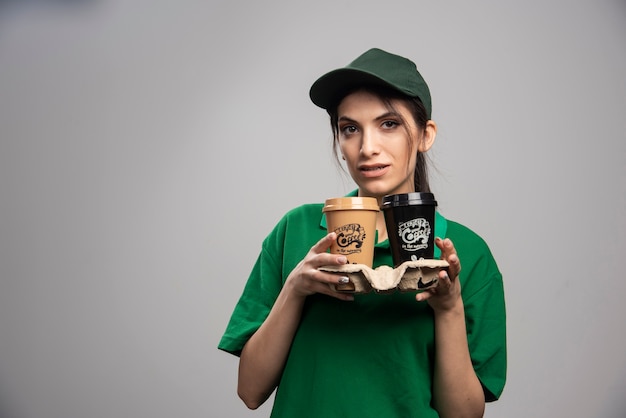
(409, 276)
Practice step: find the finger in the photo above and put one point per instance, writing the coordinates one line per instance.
(448, 253)
(446, 246)
(330, 289)
(439, 244)
(322, 245)
(445, 282)
(423, 296)
(455, 266)
(330, 278)
(313, 281)
(338, 295)
(325, 258)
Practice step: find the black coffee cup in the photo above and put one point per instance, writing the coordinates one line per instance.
(410, 221)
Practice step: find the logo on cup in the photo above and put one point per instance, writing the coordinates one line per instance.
(414, 234)
(350, 238)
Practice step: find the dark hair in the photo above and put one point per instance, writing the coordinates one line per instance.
(418, 111)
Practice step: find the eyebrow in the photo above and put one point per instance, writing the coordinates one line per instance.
(345, 119)
(380, 117)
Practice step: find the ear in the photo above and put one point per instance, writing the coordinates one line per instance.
(430, 132)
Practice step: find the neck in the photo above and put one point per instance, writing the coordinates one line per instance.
(381, 227)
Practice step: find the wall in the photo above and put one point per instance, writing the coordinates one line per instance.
(147, 147)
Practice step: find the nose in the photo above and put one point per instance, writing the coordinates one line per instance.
(369, 143)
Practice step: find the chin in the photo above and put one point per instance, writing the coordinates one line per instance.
(374, 191)
(380, 190)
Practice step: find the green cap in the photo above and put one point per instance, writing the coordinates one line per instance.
(374, 67)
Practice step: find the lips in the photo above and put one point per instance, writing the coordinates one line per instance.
(373, 170)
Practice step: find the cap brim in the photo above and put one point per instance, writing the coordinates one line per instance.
(330, 87)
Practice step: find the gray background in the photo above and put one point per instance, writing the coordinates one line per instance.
(147, 147)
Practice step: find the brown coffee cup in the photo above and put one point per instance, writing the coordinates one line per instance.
(353, 219)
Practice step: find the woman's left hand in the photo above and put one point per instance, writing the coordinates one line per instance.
(447, 293)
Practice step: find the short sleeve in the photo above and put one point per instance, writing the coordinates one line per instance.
(485, 315)
(486, 334)
(256, 301)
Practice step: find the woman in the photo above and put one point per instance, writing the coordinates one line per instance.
(441, 352)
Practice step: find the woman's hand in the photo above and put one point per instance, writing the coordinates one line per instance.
(447, 294)
(264, 355)
(456, 388)
(305, 279)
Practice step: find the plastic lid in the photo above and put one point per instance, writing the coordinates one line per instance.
(348, 203)
(406, 199)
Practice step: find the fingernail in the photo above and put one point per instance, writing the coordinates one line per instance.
(342, 260)
(344, 280)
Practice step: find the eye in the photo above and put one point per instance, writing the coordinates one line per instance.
(348, 129)
(390, 124)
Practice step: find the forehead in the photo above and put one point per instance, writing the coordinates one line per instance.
(361, 101)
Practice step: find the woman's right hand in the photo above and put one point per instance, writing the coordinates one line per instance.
(305, 279)
(264, 355)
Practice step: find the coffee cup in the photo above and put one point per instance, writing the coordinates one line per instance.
(410, 221)
(353, 219)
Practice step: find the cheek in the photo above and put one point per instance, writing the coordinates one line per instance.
(400, 148)
(406, 156)
(347, 150)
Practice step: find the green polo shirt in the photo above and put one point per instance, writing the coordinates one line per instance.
(374, 356)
